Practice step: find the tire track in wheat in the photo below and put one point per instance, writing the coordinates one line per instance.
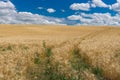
(90, 35)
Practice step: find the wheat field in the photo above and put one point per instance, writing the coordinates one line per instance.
(57, 52)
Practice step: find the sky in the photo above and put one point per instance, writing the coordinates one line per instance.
(62, 12)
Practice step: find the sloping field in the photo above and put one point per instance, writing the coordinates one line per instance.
(55, 52)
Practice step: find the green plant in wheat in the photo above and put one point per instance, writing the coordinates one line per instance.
(47, 49)
(48, 71)
(98, 72)
(9, 47)
(37, 58)
(78, 62)
(51, 71)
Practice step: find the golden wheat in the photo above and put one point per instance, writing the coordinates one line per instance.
(55, 52)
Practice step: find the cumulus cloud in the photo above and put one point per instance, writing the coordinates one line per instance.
(96, 19)
(87, 6)
(29, 18)
(7, 12)
(51, 10)
(116, 6)
(9, 15)
(80, 6)
(118, 0)
(40, 8)
(74, 17)
(99, 3)
(93, 5)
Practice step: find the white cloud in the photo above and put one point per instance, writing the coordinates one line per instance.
(96, 19)
(62, 10)
(29, 18)
(118, 0)
(40, 8)
(93, 5)
(99, 3)
(80, 6)
(90, 4)
(74, 17)
(116, 6)
(9, 15)
(7, 12)
(51, 10)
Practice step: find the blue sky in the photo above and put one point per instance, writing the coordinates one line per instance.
(67, 12)
(58, 5)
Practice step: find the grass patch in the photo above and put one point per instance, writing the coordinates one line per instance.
(37, 58)
(45, 70)
(52, 73)
(48, 50)
(37, 74)
(98, 72)
(9, 47)
(78, 62)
